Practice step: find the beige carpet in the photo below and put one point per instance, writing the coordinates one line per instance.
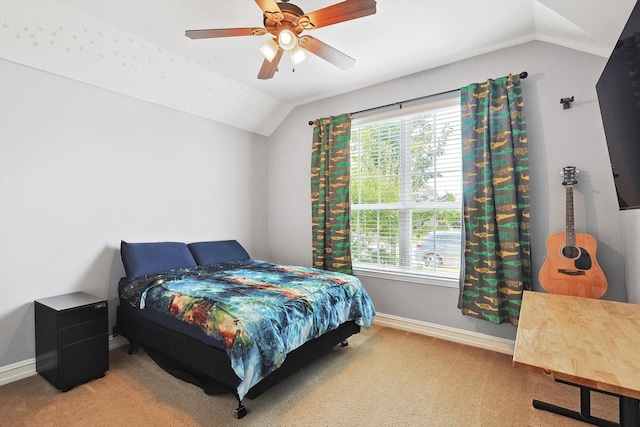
(385, 377)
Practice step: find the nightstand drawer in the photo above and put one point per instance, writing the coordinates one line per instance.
(83, 361)
(83, 331)
(84, 314)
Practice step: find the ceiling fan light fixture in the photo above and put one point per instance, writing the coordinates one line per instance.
(269, 49)
(287, 39)
(284, 22)
(297, 55)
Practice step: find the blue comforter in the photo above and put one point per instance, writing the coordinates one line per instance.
(260, 311)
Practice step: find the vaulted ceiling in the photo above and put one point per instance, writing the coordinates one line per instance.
(139, 47)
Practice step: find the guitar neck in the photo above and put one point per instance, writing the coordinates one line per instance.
(571, 232)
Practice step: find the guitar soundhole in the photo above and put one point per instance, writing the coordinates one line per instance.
(570, 252)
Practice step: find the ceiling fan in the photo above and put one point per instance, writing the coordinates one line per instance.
(285, 22)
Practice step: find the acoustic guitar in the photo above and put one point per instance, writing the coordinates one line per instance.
(571, 267)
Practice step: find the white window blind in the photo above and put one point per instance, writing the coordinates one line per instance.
(406, 188)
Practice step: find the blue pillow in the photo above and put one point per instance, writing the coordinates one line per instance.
(207, 253)
(140, 259)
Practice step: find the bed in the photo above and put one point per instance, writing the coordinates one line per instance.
(209, 314)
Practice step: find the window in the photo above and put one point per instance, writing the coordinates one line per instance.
(406, 189)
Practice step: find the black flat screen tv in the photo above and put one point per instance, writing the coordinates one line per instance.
(619, 95)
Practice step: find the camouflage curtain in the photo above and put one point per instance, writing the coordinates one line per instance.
(330, 172)
(495, 171)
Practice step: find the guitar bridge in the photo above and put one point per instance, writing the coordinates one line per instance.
(571, 272)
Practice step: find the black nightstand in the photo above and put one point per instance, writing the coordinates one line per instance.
(72, 339)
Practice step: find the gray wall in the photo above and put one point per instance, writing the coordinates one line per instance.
(82, 167)
(557, 138)
(631, 230)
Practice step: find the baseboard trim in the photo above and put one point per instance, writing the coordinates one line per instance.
(26, 368)
(117, 341)
(475, 339)
(17, 371)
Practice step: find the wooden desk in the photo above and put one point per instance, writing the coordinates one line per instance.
(590, 343)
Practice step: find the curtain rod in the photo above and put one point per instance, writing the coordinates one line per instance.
(523, 75)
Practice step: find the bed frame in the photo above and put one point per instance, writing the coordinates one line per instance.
(210, 367)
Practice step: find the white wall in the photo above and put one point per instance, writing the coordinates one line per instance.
(82, 168)
(631, 227)
(557, 138)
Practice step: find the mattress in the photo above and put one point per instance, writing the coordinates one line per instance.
(256, 311)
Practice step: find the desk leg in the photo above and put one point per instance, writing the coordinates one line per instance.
(587, 418)
(629, 412)
(627, 416)
(629, 409)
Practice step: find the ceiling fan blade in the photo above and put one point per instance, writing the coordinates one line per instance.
(269, 68)
(224, 32)
(339, 12)
(271, 9)
(326, 52)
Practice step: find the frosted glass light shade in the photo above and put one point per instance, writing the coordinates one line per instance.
(297, 55)
(269, 49)
(287, 39)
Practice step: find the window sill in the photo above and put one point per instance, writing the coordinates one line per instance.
(432, 280)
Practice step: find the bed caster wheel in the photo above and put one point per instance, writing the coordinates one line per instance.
(240, 412)
(344, 343)
(133, 349)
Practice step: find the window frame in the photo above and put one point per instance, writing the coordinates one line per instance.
(405, 206)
